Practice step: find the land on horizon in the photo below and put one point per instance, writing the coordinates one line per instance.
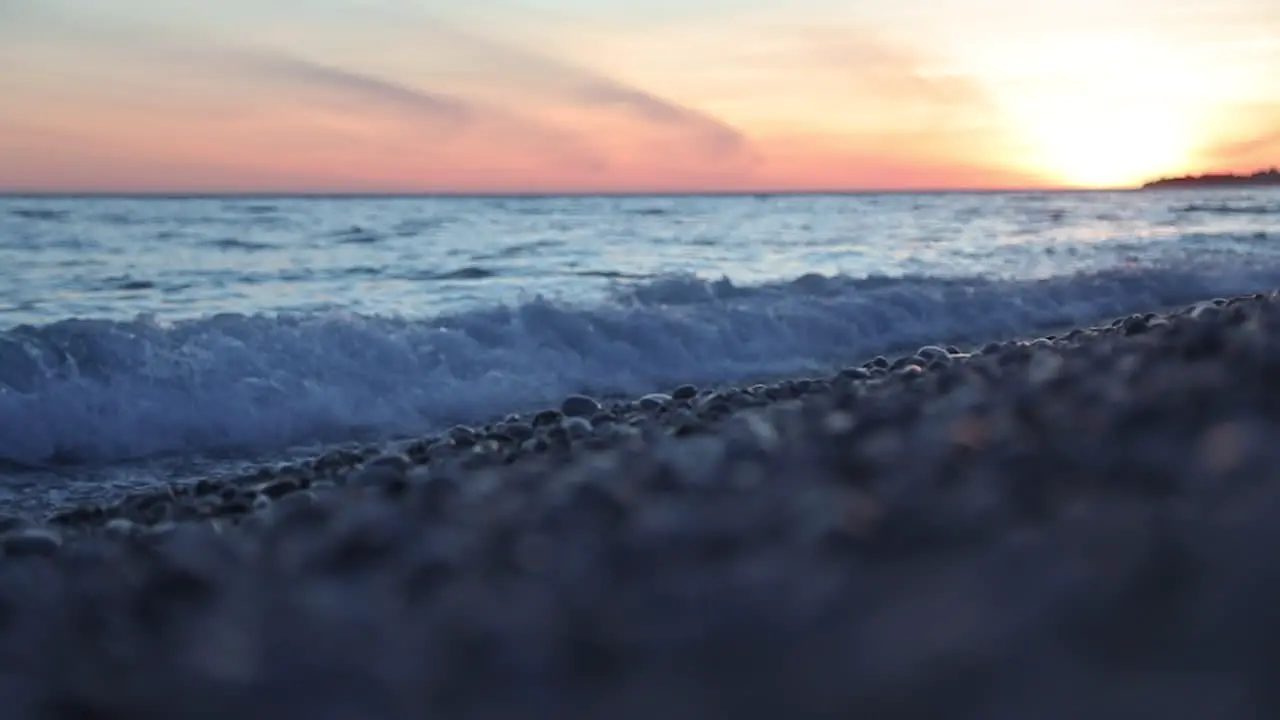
(1267, 177)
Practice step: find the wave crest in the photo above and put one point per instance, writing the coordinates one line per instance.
(102, 391)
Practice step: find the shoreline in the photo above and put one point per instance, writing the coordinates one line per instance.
(299, 466)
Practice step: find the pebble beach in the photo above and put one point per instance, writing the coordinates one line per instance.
(911, 489)
(1066, 526)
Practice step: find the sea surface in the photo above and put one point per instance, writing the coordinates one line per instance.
(143, 339)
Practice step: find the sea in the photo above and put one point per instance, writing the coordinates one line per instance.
(144, 340)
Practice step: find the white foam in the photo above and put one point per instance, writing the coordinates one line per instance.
(102, 391)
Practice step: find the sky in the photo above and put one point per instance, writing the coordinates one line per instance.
(372, 96)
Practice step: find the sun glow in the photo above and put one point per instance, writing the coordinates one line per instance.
(1111, 106)
(1092, 147)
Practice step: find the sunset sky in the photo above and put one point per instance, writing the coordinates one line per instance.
(632, 95)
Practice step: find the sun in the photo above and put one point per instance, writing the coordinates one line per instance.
(1109, 108)
(1111, 148)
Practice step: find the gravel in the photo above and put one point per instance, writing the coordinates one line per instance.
(1078, 525)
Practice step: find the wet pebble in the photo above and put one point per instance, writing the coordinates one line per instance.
(462, 436)
(547, 418)
(31, 542)
(579, 406)
(685, 392)
(654, 401)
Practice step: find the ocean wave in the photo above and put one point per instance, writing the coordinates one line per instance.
(97, 391)
(467, 272)
(1230, 209)
(356, 235)
(45, 214)
(231, 244)
(126, 282)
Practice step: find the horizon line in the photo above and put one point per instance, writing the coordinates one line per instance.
(516, 194)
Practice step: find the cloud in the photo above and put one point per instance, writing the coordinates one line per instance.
(719, 138)
(855, 109)
(1251, 139)
(188, 77)
(422, 110)
(528, 71)
(357, 85)
(898, 87)
(1257, 150)
(461, 84)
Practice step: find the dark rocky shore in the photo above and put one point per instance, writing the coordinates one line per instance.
(1075, 526)
(1261, 178)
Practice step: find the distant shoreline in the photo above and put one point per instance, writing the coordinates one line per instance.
(1262, 178)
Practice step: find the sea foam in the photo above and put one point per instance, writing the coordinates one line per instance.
(97, 391)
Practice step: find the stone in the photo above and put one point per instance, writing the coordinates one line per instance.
(685, 392)
(462, 436)
(654, 401)
(10, 523)
(391, 461)
(280, 488)
(519, 431)
(120, 527)
(579, 406)
(547, 417)
(377, 475)
(578, 428)
(855, 373)
(31, 542)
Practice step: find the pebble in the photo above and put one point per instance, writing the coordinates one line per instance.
(262, 503)
(547, 418)
(378, 475)
(519, 431)
(579, 406)
(30, 542)
(120, 527)
(280, 488)
(654, 401)
(391, 462)
(462, 436)
(10, 523)
(685, 392)
(855, 373)
(578, 427)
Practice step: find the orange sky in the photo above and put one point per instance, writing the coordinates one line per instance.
(696, 95)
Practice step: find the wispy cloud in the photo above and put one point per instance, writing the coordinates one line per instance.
(855, 109)
(190, 70)
(508, 105)
(1257, 150)
(718, 138)
(898, 88)
(558, 81)
(1252, 139)
(361, 86)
